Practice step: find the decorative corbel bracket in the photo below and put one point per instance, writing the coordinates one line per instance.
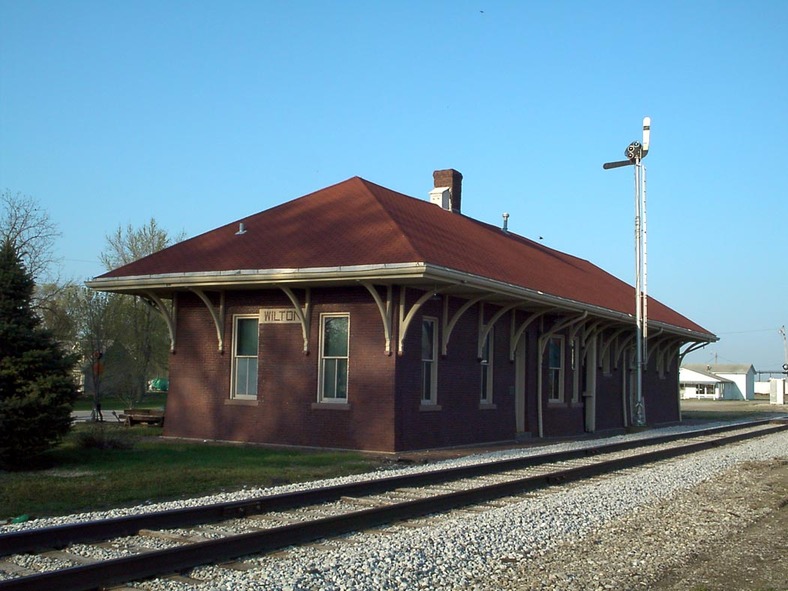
(303, 313)
(216, 315)
(156, 302)
(385, 312)
(406, 319)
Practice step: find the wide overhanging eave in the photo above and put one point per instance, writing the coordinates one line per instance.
(419, 274)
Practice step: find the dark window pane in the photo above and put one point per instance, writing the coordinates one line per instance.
(427, 339)
(335, 340)
(246, 337)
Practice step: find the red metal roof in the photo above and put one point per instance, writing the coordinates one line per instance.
(357, 222)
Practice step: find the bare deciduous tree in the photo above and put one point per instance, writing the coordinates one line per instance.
(30, 230)
(143, 334)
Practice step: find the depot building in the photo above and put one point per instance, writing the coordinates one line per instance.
(358, 317)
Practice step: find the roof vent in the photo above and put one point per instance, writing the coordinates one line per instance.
(241, 229)
(450, 181)
(505, 222)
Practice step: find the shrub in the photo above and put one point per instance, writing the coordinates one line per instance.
(100, 436)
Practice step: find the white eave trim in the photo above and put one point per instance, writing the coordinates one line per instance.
(353, 273)
(243, 277)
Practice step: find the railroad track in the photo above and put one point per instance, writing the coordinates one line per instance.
(208, 534)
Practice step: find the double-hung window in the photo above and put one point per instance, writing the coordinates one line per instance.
(334, 356)
(487, 369)
(245, 352)
(429, 361)
(555, 369)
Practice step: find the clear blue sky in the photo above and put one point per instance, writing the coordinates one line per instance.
(199, 113)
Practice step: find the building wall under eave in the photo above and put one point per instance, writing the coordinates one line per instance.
(285, 411)
(458, 418)
(384, 410)
(661, 394)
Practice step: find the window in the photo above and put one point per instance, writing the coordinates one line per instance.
(429, 362)
(555, 369)
(245, 346)
(487, 369)
(334, 355)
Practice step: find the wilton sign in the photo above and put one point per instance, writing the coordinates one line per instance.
(278, 316)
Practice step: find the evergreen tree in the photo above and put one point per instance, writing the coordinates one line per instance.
(37, 389)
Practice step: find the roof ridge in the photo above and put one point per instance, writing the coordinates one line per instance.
(368, 185)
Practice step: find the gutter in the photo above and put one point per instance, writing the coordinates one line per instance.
(388, 272)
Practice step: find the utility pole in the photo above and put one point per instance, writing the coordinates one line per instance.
(634, 154)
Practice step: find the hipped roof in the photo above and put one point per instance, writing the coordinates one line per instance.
(359, 230)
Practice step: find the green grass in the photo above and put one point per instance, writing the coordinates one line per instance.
(74, 478)
(151, 400)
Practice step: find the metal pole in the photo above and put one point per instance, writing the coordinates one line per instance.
(635, 153)
(645, 259)
(637, 419)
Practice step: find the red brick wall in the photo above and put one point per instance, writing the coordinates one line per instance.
(199, 404)
(460, 419)
(384, 409)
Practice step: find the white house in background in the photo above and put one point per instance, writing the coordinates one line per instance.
(729, 381)
(699, 383)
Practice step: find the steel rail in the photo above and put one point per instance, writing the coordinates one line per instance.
(149, 564)
(62, 535)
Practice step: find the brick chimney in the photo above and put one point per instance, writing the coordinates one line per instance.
(452, 180)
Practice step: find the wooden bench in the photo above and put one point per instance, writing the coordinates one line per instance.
(147, 416)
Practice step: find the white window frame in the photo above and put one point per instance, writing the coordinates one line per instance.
(237, 318)
(556, 371)
(429, 365)
(486, 362)
(324, 361)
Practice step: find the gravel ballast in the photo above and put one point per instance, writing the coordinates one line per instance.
(625, 531)
(540, 543)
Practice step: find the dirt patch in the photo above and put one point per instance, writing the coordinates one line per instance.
(730, 410)
(754, 558)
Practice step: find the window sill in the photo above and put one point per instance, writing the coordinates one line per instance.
(487, 406)
(430, 407)
(330, 406)
(241, 402)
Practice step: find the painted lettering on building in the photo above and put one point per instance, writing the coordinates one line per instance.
(278, 316)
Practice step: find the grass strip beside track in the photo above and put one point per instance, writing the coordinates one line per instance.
(74, 479)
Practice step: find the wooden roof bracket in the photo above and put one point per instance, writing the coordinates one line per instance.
(406, 319)
(449, 324)
(590, 331)
(560, 325)
(216, 315)
(621, 346)
(484, 329)
(660, 347)
(692, 347)
(303, 313)
(169, 318)
(606, 343)
(516, 334)
(385, 311)
(652, 337)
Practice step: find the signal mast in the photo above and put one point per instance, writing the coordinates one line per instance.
(634, 153)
